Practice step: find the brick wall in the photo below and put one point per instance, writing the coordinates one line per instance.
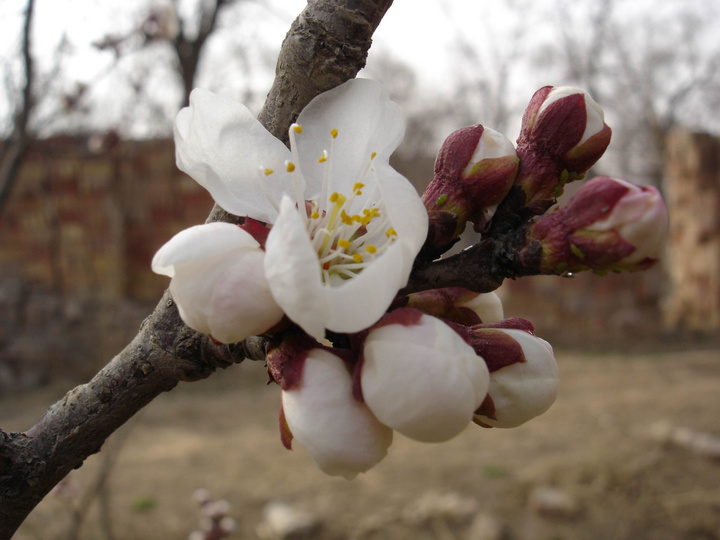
(86, 224)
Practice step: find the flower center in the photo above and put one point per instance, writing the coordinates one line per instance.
(348, 232)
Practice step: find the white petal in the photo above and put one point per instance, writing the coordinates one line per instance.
(422, 380)
(404, 208)
(218, 281)
(359, 302)
(366, 120)
(340, 433)
(241, 303)
(293, 272)
(200, 242)
(222, 146)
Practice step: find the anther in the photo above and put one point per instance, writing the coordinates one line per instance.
(290, 166)
(343, 243)
(334, 132)
(297, 128)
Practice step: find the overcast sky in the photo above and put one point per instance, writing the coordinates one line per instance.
(425, 34)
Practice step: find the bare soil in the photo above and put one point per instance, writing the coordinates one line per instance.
(595, 445)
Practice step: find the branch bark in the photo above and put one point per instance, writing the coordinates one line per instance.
(326, 45)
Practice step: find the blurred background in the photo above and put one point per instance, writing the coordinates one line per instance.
(89, 189)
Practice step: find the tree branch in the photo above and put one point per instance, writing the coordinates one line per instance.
(325, 46)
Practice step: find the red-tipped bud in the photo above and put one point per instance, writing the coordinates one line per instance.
(563, 134)
(609, 225)
(474, 170)
(523, 373)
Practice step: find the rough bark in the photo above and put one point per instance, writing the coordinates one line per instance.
(325, 46)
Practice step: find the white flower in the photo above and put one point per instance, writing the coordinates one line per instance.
(521, 391)
(420, 377)
(218, 281)
(346, 226)
(339, 432)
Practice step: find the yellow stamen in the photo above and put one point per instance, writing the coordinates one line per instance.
(347, 220)
(370, 248)
(268, 172)
(357, 187)
(297, 128)
(314, 215)
(357, 257)
(322, 159)
(334, 197)
(290, 166)
(373, 155)
(390, 232)
(343, 243)
(334, 132)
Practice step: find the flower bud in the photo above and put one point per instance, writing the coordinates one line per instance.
(523, 374)
(474, 170)
(218, 281)
(458, 305)
(319, 411)
(563, 134)
(420, 377)
(608, 225)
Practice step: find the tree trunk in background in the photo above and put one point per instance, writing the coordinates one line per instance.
(692, 191)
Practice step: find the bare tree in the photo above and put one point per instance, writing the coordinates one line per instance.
(654, 70)
(16, 145)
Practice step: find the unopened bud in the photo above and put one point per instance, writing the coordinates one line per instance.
(458, 305)
(420, 377)
(563, 134)
(474, 170)
(608, 225)
(321, 413)
(523, 373)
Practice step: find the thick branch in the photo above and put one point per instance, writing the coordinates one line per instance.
(480, 268)
(326, 46)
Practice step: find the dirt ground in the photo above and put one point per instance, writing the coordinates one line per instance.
(595, 446)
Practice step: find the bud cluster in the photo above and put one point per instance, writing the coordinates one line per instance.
(336, 263)
(425, 371)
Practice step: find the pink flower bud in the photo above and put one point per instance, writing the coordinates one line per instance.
(609, 224)
(523, 374)
(458, 305)
(563, 134)
(420, 377)
(319, 411)
(474, 170)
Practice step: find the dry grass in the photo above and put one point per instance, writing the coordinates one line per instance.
(222, 434)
